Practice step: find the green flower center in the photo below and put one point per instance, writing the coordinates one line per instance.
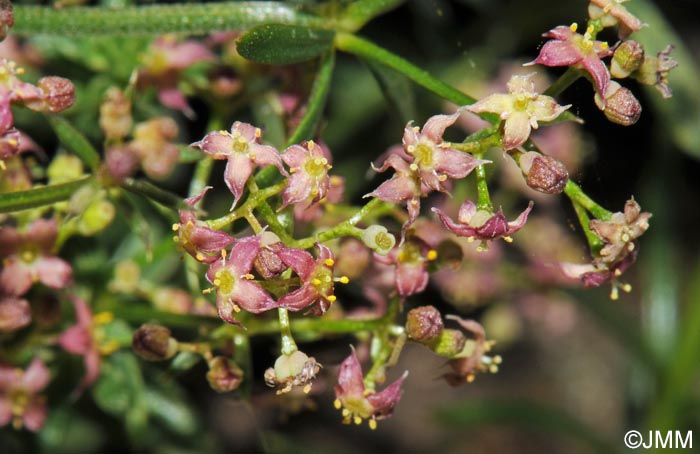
(240, 145)
(224, 280)
(423, 154)
(323, 281)
(357, 406)
(29, 253)
(521, 102)
(410, 253)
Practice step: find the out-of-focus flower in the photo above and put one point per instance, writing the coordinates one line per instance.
(242, 149)
(476, 224)
(172, 299)
(115, 114)
(233, 282)
(317, 281)
(20, 402)
(224, 375)
(431, 158)
(611, 13)
(153, 145)
(619, 104)
(295, 369)
(359, 403)
(15, 314)
(472, 359)
(201, 242)
(7, 18)
(597, 273)
(620, 232)
(410, 260)
(521, 109)
(154, 342)
(654, 71)
(309, 182)
(568, 48)
(28, 258)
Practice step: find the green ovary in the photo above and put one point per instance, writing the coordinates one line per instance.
(423, 155)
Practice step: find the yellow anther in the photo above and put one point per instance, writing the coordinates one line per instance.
(357, 420)
(345, 412)
(337, 404)
(217, 282)
(432, 255)
(470, 239)
(442, 178)
(236, 308)
(249, 276)
(617, 272)
(293, 169)
(470, 378)
(307, 388)
(573, 27)
(626, 288)
(508, 239)
(332, 298)
(103, 318)
(199, 256)
(497, 359)
(316, 281)
(2, 165)
(207, 291)
(413, 167)
(344, 279)
(310, 145)
(493, 368)
(607, 9)
(176, 227)
(604, 45)
(373, 424)
(258, 133)
(329, 262)
(590, 30)
(614, 295)
(223, 253)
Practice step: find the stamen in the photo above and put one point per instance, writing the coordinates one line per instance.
(345, 412)
(508, 239)
(332, 298)
(316, 281)
(236, 308)
(573, 27)
(357, 420)
(343, 279)
(310, 145)
(329, 262)
(176, 227)
(199, 256)
(337, 404)
(372, 424)
(307, 388)
(432, 255)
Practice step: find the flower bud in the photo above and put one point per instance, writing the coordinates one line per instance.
(170, 299)
(423, 324)
(115, 114)
(153, 342)
(620, 106)
(449, 343)
(15, 314)
(127, 275)
(628, 57)
(268, 263)
(120, 163)
(7, 18)
(377, 238)
(224, 375)
(58, 95)
(96, 217)
(544, 173)
(63, 168)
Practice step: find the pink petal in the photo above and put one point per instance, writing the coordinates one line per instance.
(251, 297)
(299, 187)
(466, 211)
(92, 362)
(243, 254)
(298, 260)
(76, 340)
(15, 278)
(385, 401)
(598, 71)
(43, 233)
(324, 253)
(246, 130)
(184, 54)
(435, 127)
(519, 222)
(350, 380)
(36, 377)
(175, 99)
(497, 103)
(195, 199)
(411, 278)
(454, 163)
(209, 240)
(396, 190)
(225, 308)
(217, 144)
(558, 53)
(238, 170)
(300, 298)
(495, 226)
(458, 229)
(265, 155)
(34, 415)
(516, 130)
(295, 156)
(411, 136)
(561, 32)
(53, 272)
(9, 241)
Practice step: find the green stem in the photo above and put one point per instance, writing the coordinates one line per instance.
(250, 203)
(153, 192)
(482, 189)
(576, 194)
(157, 19)
(288, 344)
(75, 141)
(40, 196)
(570, 76)
(594, 243)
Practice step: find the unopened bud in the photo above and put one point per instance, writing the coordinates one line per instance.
(544, 173)
(7, 18)
(268, 263)
(449, 343)
(620, 106)
(170, 299)
(115, 114)
(58, 95)
(224, 375)
(15, 314)
(63, 168)
(377, 238)
(423, 324)
(352, 259)
(154, 343)
(96, 217)
(127, 275)
(628, 57)
(120, 163)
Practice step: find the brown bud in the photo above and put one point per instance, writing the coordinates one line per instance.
(115, 114)
(15, 314)
(628, 57)
(59, 93)
(544, 173)
(267, 263)
(449, 343)
(7, 18)
(423, 324)
(120, 163)
(153, 342)
(620, 106)
(224, 375)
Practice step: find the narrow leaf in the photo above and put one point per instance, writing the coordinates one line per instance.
(75, 142)
(358, 13)
(40, 196)
(396, 89)
(278, 44)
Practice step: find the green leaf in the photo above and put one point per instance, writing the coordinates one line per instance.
(278, 44)
(120, 387)
(396, 89)
(40, 196)
(66, 431)
(171, 410)
(525, 414)
(75, 142)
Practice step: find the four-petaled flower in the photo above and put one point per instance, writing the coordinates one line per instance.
(309, 182)
(28, 258)
(611, 13)
(20, 401)
(481, 224)
(242, 149)
(410, 260)
(201, 242)
(521, 109)
(620, 232)
(233, 282)
(317, 281)
(473, 358)
(568, 48)
(433, 160)
(359, 403)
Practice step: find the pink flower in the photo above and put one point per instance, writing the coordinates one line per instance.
(309, 182)
(80, 339)
(482, 224)
(15, 314)
(19, 399)
(521, 109)
(243, 152)
(410, 260)
(569, 48)
(233, 282)
(620, 232)
(28, 258)
(473, 358)
(597, 273)
(359, 403)
(201, 242)
(434, 161)
(317, 281)
(611, 12)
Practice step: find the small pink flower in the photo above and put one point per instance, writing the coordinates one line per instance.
(233, 282)
(521, 109)
(28, 258)
(20, 402)
(243, 152)
(482, 224)
(201, 242)
(359, 403)
(597, 273)
(80, 339)
(568, 48)
(317, 281)
(309, 182)
(410, 260)
(434, 161)
(621, 231)
(611, 13)
(473, 358)
(15, 314)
